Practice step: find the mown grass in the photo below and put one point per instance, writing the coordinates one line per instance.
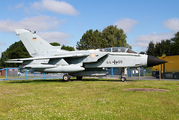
(89, 99)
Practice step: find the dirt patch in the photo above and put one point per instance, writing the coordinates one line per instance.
(145, 89)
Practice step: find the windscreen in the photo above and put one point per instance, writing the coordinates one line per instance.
(117, 49)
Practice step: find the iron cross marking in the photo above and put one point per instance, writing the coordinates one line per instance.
(115, 62)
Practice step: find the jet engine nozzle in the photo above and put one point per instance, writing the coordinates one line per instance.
(152, 61)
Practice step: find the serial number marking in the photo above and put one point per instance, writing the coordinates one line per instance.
(115, 62)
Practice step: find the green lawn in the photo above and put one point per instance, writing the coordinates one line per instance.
(89, 99)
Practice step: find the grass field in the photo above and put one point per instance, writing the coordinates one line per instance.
(94, 99)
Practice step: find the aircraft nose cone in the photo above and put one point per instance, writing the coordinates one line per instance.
(152, 61)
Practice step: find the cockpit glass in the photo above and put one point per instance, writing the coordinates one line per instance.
(117, 49)
(130, 51)
(105, 50)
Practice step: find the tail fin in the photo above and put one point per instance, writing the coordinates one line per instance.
(34, 44)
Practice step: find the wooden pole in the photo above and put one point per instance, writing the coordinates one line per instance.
(160, 72)
(139, 72)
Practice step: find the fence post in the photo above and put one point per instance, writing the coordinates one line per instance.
(25, 73)
(139, 72)
(131, 73)
(6, 73)
(143, 72)
(111, 72)
(44, 75)
(160, 72)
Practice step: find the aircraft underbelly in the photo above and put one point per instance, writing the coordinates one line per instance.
(94, 72)
(63, 69)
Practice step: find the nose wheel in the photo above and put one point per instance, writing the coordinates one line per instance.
(123, 79)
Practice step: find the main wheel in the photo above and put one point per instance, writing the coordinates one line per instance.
(66, 77)
(123, 79)
(79, 77)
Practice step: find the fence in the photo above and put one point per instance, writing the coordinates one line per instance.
(129, 72)
(17, 74)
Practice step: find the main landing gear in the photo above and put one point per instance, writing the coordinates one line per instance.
(66, 77)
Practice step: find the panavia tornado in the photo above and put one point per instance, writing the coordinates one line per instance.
(52, 59)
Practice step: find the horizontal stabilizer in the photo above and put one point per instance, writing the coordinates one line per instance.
(14, 61)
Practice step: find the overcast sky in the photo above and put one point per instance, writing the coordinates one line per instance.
(66, 21)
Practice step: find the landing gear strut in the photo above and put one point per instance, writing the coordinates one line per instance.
(66, 77)
(122, 75)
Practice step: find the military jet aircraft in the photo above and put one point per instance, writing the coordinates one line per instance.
(52, 59)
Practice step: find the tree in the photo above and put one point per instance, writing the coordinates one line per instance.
(142, 52)
(109, 37)
(64, 47)
(16, 50)
(55, 44)
(68, 48)
(175, 44)
(91, 40)
(4, 57)
(151, 49)
(115, 37)
(167, 47)
(159, 48)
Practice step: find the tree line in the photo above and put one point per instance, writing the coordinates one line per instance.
(165, 47)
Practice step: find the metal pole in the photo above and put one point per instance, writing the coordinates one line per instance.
(111, 72)
(143, 72)
(6, 73)
(44, 75)
(25, 73)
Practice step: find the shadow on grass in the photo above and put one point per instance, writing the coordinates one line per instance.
(110, 80)
(60, 80)
(34, 81)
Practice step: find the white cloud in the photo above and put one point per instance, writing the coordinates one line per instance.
(39, 23)
(55, 37)
(144, 40)
(55, 6)
(172, 24)
(126, 24)
(20, 5)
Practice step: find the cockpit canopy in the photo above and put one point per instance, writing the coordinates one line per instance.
(117, 49)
